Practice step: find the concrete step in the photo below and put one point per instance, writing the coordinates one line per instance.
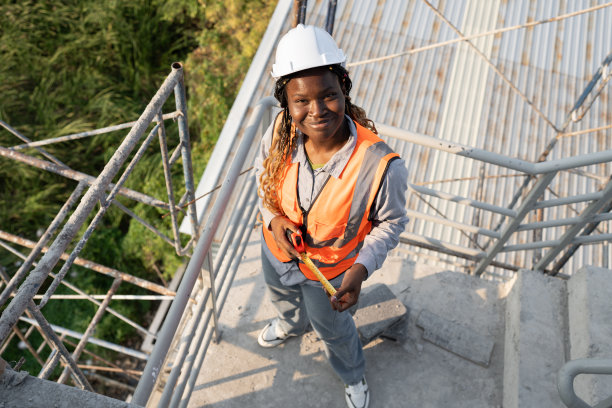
(409, 372)
(535, 335)
(456, 338)
(590, 328)
(378, 311)
(445, 309)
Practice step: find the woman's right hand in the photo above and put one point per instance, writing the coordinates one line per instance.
(279, 225)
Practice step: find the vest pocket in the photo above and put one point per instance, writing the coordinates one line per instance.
(324, 232)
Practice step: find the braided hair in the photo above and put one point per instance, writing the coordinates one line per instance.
(284, 144)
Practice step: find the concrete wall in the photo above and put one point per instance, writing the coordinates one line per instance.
(590, 322)
(534, 341)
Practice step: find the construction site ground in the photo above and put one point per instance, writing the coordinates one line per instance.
(411, 372)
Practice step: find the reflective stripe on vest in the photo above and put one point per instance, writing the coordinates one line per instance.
(338, 220)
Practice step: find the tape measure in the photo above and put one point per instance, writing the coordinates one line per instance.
(298, 243)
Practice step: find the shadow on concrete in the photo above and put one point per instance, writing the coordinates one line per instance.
(238, 372)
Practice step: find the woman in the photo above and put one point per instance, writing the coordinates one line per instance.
(322, 170)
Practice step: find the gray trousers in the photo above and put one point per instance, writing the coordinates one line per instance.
(299, 304)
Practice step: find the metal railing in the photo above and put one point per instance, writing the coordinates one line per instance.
(198, 322)
(98, 192)
(543, 172)
(203, 277)
(206, 281)
(571, 369)
(539, 176)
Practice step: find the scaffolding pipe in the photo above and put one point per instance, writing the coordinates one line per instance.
(102, 343)
(595, 219)
(105, 270)
(238, 246)
(49, 335)
(463, 200)
(175, 394)
(495, 158)
(105, 203)
(81, 135)
(457, 225)
(188, 334)
(78, 176)
(101, 297)
(181, 106)
(154, 365)
(233, 224)
(36, 249)
(82, 294)
(535, 193)
(127, 372)
(28, 289)
(163, 147)
(23, 337)
(25, 139)
(31, 349)
(181, 399)
(144, 223)
(90, 329)
(530, 245)
(571, 233)
(216, 280)
(579, 198)
(591, 239)
(590, 228)
(193, 375)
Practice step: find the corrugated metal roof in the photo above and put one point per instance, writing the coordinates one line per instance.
(452, 93)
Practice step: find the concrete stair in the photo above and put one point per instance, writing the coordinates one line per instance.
(535, 339)
(549, 321)
(534, 324)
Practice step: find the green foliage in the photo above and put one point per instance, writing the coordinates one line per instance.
(70, 66)
(227, 42)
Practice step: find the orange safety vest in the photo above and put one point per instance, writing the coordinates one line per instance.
(338, 220)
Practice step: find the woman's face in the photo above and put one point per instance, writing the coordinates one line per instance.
(316, 104)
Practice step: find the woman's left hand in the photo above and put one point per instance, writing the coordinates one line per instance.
(348, 293)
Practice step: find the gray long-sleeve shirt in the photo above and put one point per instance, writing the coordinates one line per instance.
(389, 215)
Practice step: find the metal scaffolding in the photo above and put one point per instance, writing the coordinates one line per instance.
(23, 316)
(190, 310)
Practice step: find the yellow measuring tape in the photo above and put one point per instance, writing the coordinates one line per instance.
(298, 243)
(308, 262)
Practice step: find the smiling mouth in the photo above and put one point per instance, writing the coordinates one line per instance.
(320, 124)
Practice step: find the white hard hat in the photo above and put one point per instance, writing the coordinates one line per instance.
(305, 47)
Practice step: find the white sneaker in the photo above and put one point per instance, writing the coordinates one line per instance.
(272, 335)
(357, 395)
